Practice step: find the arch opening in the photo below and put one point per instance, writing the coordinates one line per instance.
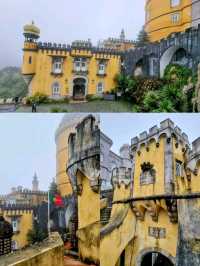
(79, 89)
(156, 259)
(174, 55)
(139, 68)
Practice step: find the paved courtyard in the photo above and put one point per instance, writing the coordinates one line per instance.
(93, 106)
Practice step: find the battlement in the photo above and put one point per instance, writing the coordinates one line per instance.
(121, 175)
(77, 45)
(167, 128)
(117, 40)
(16, 207)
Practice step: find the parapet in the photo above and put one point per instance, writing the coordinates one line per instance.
(121, 175)
(167, 128)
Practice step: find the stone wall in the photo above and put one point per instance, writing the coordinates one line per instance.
(50, 252)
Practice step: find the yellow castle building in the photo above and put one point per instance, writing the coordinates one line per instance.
(170, 16)
(72, 71)
(155, 202)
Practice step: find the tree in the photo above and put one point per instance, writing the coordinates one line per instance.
(53, 188)
(143, 38)
(36, 234)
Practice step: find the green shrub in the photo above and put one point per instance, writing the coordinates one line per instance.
(37, 98)
(91, 98)
(174, 72)
(56, 110)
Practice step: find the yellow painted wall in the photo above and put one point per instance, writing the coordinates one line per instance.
(158, 18)
(155, 155)
(25, 224)
(88, 220)
(49, 254)
(43, 80)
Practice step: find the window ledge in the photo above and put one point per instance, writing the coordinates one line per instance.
(80, 72)
(101, 75)
(56, 74)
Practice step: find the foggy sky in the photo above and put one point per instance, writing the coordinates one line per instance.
(64, 21)
(121, 128)
(27, 146)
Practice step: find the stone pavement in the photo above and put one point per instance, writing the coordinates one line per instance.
(7, 108)
(70, 261)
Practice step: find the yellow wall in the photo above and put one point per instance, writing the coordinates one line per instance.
(158, 18)
(25, 224)
(41, 69)
(49, 254)
(154, 155)
(88, 220)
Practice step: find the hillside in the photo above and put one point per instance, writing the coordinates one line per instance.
(12, 83)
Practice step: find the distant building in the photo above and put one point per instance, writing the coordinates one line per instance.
(20, 195)
(119, 44)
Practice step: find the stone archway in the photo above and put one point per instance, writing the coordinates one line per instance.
(79, 88)
(173, 54)
(139, 68)
(155, 257)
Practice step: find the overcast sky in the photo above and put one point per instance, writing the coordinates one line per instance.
(121, 128)
(27, 146)
(64, 21)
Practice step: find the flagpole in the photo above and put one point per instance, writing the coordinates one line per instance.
(48, 225)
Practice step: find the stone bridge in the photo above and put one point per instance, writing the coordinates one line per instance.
(181, 48)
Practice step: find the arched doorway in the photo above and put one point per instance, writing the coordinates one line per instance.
(139, 68)
(174, 55)
(79, 88)
(156, 259)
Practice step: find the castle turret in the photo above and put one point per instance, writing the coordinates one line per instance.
(31, 34)
(35, 183)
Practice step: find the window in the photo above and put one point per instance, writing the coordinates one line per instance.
(57, 65)
(80, 64)
(175, 3)
(15, 224)
(175, 18)
(30, 60)
(56, 89)
(102, 68)
(100, 87)
(179, 168)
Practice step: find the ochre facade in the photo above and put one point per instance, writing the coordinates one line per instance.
(166, 17)
(72, 71)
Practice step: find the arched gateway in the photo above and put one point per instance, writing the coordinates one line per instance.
(79, 88)
(156, 259)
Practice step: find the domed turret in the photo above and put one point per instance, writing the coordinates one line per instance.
(31, 32)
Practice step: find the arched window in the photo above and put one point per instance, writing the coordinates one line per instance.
(56, 89)
(30, 60)
(102, 68)
(100, 88)
(57, 65)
